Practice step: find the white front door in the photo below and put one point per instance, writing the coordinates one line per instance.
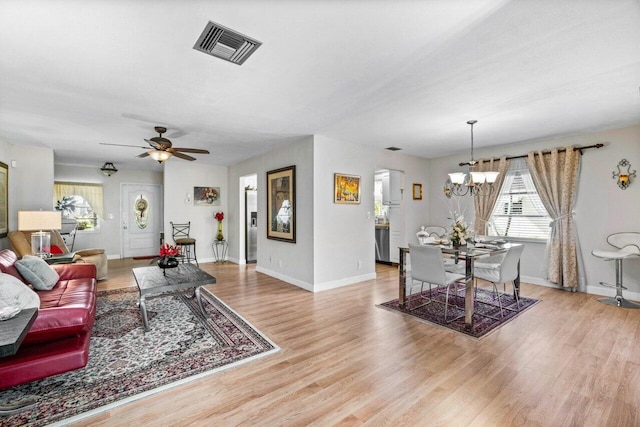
(141, 211)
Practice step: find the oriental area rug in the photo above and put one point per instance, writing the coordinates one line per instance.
(486, 316)
(126, 364)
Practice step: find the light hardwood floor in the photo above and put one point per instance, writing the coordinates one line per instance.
(569, 360)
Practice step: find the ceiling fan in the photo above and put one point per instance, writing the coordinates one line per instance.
(163, 149)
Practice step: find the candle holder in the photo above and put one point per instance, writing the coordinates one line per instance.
(624, 174)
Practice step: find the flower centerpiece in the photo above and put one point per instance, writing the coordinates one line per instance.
(167, 256)
(219, 216)
(460, 232)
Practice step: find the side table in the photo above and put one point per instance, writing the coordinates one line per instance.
(220, 250)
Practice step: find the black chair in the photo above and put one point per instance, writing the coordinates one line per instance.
(182, 239)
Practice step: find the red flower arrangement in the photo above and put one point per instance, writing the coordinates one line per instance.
(219, 216)
(167, 250)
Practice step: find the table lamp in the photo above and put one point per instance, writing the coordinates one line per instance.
(40, 220)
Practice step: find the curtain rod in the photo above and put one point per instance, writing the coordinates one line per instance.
(580, 149)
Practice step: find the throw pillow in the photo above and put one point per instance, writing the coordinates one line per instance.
(56, 250)
(15, 293)
(37, 272)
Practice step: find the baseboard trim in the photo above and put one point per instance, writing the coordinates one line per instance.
(299, 283)
(344, 282)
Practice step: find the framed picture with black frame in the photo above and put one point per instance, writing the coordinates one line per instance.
(281, 204)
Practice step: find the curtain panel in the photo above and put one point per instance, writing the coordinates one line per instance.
(555, 176)
(484, 204)
(92, 193)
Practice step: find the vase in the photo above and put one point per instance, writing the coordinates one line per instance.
(167, 262)
(219, 236)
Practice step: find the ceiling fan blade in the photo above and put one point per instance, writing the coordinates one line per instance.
(145, 154)
(154, 144)
(183, 156)
(190, 150)
(124, 145)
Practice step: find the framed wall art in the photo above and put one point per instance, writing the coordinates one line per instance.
(281, 204)
(206, 196)
(4, 200)
(346, 188)
(417, 191)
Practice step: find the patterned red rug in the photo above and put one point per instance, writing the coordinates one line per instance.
(126, 364)
(485, 314)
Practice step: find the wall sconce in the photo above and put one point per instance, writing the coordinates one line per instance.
(108, 169)
(624, 174)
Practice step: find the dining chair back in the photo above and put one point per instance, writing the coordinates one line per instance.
(502, 272)
(427, 266)
(427, 234)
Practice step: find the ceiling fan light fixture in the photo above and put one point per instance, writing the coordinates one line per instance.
(159, 156)
(108, 169)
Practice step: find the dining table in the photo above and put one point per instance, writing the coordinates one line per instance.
(467, 254)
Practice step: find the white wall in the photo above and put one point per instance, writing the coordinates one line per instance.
(601, 207)
(30, 181)
(179, 179)
(109, 236)
(343, 234)
(292, 263)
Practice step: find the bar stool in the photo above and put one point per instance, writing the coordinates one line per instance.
(181, 238)
(628, 245)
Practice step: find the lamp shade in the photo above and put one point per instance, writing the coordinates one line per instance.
(159, 155)
(39, 220)
(491, 176)
(457, 177)
(478, 177)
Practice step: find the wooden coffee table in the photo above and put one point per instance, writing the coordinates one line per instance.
(152, 280)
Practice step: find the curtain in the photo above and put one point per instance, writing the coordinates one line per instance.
(484, 204)
(92, 193)
(555, 176)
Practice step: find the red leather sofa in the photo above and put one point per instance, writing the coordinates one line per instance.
(58, 340)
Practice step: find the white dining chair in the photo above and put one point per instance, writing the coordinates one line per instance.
(627, 245)
(503, 271)
(427, 266)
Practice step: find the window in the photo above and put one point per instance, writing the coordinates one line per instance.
(81, 202)
(519, 212)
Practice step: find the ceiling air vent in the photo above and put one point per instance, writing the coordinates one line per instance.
(225, 43)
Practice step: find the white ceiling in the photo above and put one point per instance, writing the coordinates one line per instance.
(74, 74)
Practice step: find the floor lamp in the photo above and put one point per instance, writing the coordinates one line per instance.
(40, 220)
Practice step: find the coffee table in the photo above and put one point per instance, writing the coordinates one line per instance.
(152, 280)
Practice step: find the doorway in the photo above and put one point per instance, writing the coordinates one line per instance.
(141, 212)
(248, 227)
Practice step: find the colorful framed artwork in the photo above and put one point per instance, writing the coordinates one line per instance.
(281, 204)
(4, 200)
(206, 196)
(346, 188)
(417, 191)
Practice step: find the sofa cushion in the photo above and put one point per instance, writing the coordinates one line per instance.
(66, 310)
(37, 272)
(8, 260)
(14, 293)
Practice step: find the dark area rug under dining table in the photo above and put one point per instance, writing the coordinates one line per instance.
(486, 316)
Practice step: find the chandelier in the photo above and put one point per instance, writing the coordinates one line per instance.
(477, 184)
